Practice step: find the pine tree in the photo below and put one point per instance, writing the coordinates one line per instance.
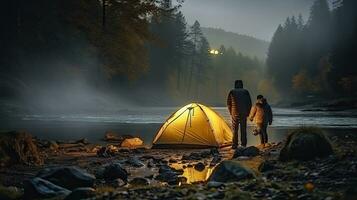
(344, 51)
(195, 37)
(181, 46)
(318, 32)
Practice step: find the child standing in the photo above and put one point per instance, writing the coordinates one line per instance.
(262, 115)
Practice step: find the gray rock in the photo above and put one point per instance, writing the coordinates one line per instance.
(39, 188)
(118, 183)
(81, 193)
(68, 177)
(251, 151)
(238, 152)
(115, 171)
(248, 152)
(305, 144)
(82, 141)
(230, 171)
(171, 160)
(137, 181)
(192, 156)
(199, 166)
(166, 174)
(106, 152)
(214, 184)
(134, 162)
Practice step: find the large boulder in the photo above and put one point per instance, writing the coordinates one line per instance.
(305, 144)
(39, 188)
(68, 177)
(115, 171)
(169, 175)
(18, 148)
(230, 171)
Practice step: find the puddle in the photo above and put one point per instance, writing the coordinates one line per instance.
(192, 175)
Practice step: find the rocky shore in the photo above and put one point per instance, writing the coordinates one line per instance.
(307, 165)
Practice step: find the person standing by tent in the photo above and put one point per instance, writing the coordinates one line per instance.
(262, 115)
(239, 104)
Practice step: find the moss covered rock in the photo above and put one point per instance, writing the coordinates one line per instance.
(305, 143)
(230, 171)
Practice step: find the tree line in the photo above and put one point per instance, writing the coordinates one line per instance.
(132, 48)
(315, 58)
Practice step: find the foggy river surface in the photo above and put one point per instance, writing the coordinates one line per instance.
(145, 122)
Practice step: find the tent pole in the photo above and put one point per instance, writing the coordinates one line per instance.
(184, 131)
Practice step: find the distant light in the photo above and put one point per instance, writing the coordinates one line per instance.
(214, 51)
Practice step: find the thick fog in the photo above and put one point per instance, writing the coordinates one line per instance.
(257, 18)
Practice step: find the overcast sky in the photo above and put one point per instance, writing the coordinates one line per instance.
(257, 18)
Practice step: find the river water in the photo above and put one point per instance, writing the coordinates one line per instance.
(145, 122)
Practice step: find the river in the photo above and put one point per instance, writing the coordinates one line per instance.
(145, 122)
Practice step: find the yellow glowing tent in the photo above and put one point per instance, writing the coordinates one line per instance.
(193, 126)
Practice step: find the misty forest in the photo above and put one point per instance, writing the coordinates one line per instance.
(96, 94)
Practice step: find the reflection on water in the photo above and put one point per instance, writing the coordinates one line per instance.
(193, 175)
(283, 117)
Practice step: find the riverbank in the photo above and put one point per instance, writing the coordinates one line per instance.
(184, 174)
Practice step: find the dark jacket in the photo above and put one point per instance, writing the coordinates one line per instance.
(268, 112)
(239, 102)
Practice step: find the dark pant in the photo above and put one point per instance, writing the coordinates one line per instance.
(242, 122)
(262, 129)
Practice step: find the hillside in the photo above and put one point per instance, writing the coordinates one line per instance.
(241, 43)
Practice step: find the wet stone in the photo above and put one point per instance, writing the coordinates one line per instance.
(230, 171)
(306, 144)
(134, 162)
(171, 160)
(137, 181)
(199, 166)
(250, 151)
(68, 177)
(214, 184)
(115, 171)
(40, 188)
